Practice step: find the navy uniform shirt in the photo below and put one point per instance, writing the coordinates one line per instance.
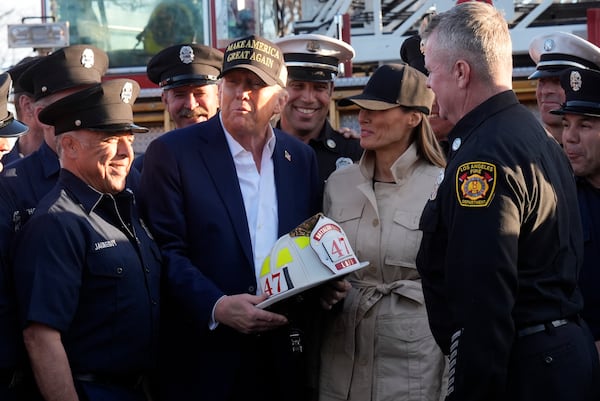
(589, 279)
(501, 246)
(331, 146)
(93, 275)
(13, 155)
(28, 180)
(11, 348)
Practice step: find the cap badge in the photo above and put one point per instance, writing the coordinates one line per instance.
(549, 45)
(313, 46)
(127, 92)
(186, 54)
(575, 80)
(87, 58)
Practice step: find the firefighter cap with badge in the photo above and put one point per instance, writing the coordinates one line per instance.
(69, 67)
(316, 251)
(184, 65)
(105, 107)
(314, 58)
(9, 126)
(581, 90)
(555, 52)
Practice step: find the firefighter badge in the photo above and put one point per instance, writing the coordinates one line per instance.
(475, 183)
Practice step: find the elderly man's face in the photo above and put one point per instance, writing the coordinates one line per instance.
(581, 142)
(247, 103)
(191, 104)
(102, 160)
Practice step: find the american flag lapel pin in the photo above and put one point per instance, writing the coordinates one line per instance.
(287, 156)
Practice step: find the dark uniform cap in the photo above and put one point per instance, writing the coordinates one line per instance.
(394, 85)
(558, 51)
(18, 69)
(262, 57)
(9, 127)
(66, 68)
(102, 107)
(311, 57)
(581, 90)
(185, 64)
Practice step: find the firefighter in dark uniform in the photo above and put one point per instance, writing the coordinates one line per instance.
(10, 339)
(27, 180)
(581, 142)
(188, 76)
(23, 102)
(554, 53)
(88, 293)
(313, 63)
(502, 240)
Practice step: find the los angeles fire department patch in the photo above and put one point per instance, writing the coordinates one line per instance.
(475, 183)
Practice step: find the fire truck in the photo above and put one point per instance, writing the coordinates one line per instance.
(132, 31)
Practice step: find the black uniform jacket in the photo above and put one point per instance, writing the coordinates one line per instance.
(501, 246)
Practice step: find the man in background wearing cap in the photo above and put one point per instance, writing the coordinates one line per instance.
(554, 53)
(89, 293)
(501, 246)
(581, 142)
(11, 348)
(188, 75)
(53, 77)
(312, 62)
(24, 107)
(234, 185)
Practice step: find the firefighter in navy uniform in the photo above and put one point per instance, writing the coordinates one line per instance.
(502, 240)
(88, 292)
(313, 62)
(66, 70)
(581, 142)
(10, 339)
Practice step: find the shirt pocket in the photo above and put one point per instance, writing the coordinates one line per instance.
(406, 352)
(404, 240)
(348, 216)
(105, 274)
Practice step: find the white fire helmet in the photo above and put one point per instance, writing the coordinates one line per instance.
(314, 252)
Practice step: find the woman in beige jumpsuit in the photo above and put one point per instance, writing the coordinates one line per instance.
(377, 345)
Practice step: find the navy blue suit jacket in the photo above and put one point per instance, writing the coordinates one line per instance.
(191, 199)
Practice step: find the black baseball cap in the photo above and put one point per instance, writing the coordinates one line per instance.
(393, 85)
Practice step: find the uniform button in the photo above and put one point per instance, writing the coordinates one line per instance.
(375, 222)
(548, 360)
(119, 270)
(154, 302)
(251, 289)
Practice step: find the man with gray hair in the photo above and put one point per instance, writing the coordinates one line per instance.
(502, 239)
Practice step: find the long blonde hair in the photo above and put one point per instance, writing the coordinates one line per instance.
(428, 146)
